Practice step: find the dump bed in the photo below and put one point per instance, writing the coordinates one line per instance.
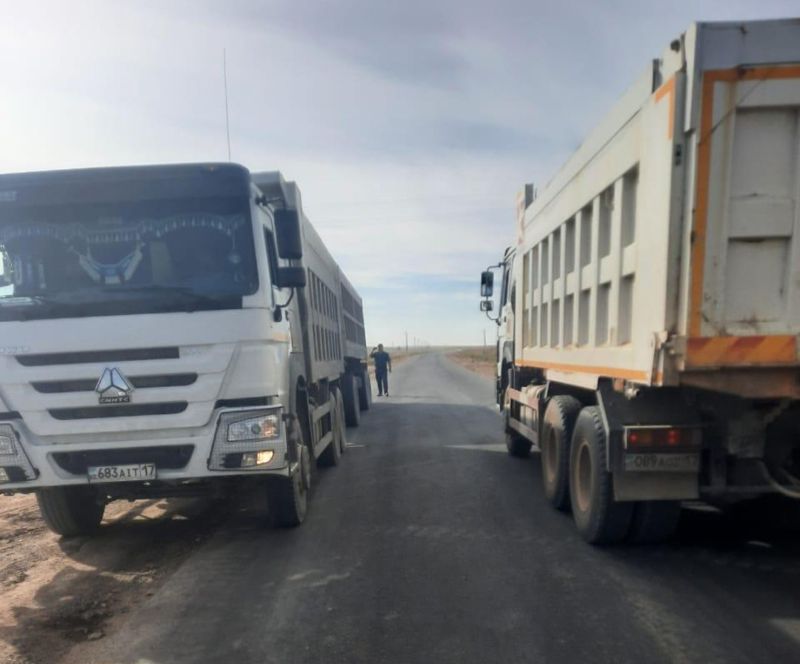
(332, 315)
(664, 250)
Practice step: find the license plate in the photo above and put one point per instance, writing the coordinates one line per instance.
(128, 473)
(664, 463)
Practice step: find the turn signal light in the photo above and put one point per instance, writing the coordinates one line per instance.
(646, 437)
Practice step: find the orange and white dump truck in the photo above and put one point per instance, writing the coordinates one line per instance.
(651, 303)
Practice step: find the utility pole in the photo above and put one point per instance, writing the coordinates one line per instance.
(484, 338)
(227, 119)
(406, 341)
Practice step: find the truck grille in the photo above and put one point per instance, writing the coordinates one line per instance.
(88, 385)
(102, 412)
(166, 457)
(87, 357)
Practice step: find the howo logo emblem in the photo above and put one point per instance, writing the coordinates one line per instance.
(113, 387)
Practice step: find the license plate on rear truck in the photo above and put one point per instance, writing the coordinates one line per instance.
(135, 472)
(665, 463)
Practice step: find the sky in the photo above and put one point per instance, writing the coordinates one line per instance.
(409, 126)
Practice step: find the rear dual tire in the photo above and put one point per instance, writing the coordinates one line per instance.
(654, 521)
(557, 429)
(350, 395)
(365, 391)
(599, 518)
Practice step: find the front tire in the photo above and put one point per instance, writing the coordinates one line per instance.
(288, 496)
(516, 444)
(365, 391)
(599, 519)
(558, 425)
(71, 510)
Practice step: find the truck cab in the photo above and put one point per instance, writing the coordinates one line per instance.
(505, 326)
(153, 337)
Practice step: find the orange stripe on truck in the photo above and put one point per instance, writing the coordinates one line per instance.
(668, 90)
(611, 372)
(763, 350)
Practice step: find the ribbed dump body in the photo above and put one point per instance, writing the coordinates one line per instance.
(666, 247)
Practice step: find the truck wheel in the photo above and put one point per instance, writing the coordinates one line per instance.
(71, 510)
(559, 421)
(288, 496)
(352, 412)
(516, 444)
(599, 519)
(333, 453)
(365, 391)
(654, 521)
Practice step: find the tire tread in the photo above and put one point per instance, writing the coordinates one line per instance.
(562, 410)
(608, 521)
(70, 511)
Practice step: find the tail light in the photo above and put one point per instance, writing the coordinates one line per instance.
(662, 437)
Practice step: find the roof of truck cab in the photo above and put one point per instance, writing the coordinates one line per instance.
(120, 172)
(61, 186)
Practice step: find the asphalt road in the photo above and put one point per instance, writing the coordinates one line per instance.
(430, 544)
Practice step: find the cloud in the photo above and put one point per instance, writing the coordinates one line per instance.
(408, 126)
(408, 41)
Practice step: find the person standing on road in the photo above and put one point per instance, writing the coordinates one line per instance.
(383, 367)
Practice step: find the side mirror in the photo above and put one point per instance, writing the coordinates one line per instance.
(487, 283)
(287, 230)
(487, 305)
(291, 277)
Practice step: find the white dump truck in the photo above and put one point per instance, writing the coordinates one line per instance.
(169, 330)
(654, 293)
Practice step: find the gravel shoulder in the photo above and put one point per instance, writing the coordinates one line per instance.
(479, 360)
(57, 592)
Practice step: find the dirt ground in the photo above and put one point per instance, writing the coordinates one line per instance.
(59, 592)
(479, 359)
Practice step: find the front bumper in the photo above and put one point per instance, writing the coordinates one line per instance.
(184, 454)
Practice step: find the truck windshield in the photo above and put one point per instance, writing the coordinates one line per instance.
(112, 258)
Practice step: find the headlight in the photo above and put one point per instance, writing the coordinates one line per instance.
(262, 427)
(7, 445)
